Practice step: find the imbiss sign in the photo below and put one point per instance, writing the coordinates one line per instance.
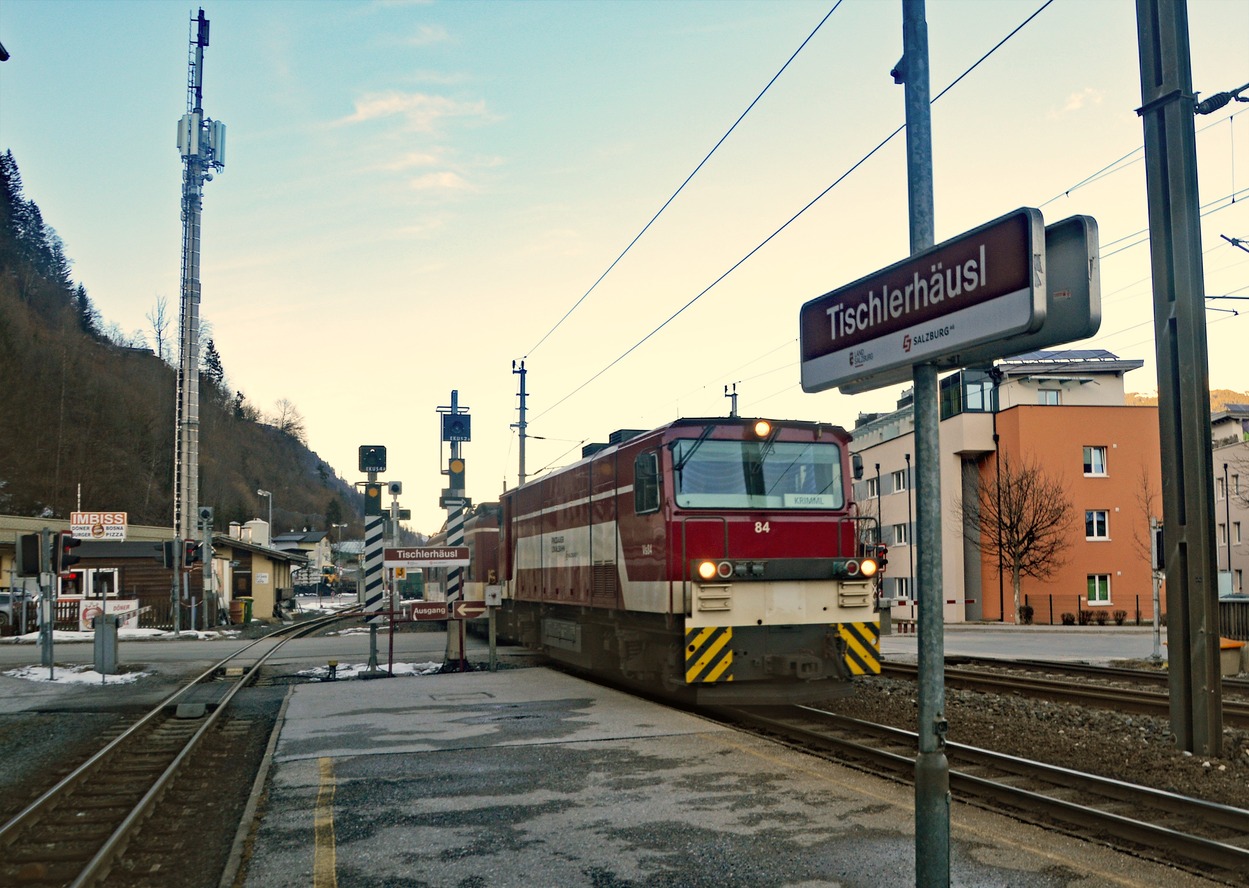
(98, 525)
(985, 285)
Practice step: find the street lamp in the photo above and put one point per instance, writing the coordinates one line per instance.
(270, 496)
(337, 553)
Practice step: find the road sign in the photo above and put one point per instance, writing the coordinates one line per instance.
(427, 610)
(979, 287)
(98, 525)
(468, 610)
(426, 556)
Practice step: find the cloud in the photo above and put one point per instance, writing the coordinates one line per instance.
(409, 160)
(446, 180)
(428, 35)
(420, 112)
(1087, 96)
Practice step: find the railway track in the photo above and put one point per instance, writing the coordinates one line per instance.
(1209, 839)
(1145, 693)
(76, 832)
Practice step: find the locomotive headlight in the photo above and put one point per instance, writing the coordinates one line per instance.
(763, 428)
(867, 567)
(724, 569)
(707, 569)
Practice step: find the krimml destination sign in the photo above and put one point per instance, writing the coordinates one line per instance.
(981, 286)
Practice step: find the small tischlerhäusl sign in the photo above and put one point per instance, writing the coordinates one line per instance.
(981, 286)
(426, 556)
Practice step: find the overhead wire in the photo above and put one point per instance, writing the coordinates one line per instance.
(795, 216)
(681, 187)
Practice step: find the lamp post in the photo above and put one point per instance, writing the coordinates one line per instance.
(270, 496)
(337, 552)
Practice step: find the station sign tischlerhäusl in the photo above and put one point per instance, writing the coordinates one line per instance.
(1073, 306)
(426, 556)
(982, 286)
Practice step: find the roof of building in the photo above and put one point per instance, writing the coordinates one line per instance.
(1067, 363)
(308, 537)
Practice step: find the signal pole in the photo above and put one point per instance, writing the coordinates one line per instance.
(522, 425)
(1191, 557)
(201, 142)
(456, 429)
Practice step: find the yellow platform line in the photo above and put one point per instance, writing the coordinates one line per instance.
(324, 861)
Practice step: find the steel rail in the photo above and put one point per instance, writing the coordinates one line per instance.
(1136, 835)
(1147, 702)
(10, 831)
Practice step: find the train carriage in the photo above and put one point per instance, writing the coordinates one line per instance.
(721, 558)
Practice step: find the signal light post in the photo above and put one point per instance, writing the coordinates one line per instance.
(373, 461)
(456, 430)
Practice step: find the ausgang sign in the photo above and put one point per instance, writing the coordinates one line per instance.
(981, 286)
(426, 556)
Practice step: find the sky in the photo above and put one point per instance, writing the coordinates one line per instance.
(417, 194)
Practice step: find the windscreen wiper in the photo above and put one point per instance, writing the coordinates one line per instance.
(685, 458)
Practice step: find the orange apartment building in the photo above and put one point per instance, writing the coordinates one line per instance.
(1063, 411)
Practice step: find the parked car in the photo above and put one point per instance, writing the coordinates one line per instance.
(11, 609)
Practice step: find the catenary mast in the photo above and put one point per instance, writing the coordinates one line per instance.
(201, 142)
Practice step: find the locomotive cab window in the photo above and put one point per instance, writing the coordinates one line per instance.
(646, 483)
(757, 474)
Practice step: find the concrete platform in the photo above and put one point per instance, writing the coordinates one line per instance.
(528, 777)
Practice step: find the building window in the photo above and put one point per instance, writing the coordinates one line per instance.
(1220, 490)
(1235, 485)
(902, 587)
(899, 481)
(1095, 460)
(1240, 586)
(1048, 397)
(1222, 534)
(968, 391)
(1236, 532)
(873, 488)
(1097, 524)
(1099, 588)
(901, 535)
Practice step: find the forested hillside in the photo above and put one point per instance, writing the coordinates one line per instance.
(87, 413)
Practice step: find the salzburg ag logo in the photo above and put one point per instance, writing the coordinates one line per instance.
(906, 342)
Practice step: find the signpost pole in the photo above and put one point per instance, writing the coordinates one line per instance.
(47, 602)
(932, 775)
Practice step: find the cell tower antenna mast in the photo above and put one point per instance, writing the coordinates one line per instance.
(201, 143)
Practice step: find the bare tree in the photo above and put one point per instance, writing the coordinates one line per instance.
(1020, 518)
(1146, 498)
(288, 419)
(1239, 485)
(159, 318)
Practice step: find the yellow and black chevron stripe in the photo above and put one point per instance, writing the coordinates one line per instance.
(709, 654)
(862, 647)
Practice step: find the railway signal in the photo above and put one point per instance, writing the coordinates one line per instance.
(61, 557)
(30, 556)
(166, 553)
(191, 553)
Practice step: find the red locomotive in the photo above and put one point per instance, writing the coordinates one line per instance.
(723, 557)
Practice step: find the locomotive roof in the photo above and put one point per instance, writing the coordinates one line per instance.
(622, 437)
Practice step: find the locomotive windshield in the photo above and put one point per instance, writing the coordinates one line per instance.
(757, 475)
